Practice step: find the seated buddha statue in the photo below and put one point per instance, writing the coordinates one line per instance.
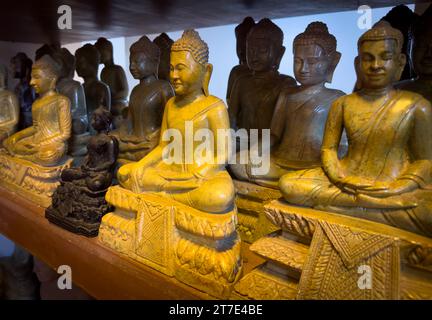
(147, 103)
(386, 174)
(164, 42)
(253, 97)
(298, 122)
(115, 77)
(75, 92)
(9, 108)
(45, 142)
(21, 67)
(79, 202)
(422, 57)
(202, 184)
(96, 92)
(241, 32)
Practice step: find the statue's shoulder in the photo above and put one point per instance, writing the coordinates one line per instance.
(287, 81)
(214, 101)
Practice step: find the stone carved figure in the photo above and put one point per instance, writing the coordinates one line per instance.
(298, 122)
(79, 202)
(164, 42)
(147, 103)
(21, 67)
(422, 57)
(385, 176)
(253, 96)
(75, 92)
(241, 32)
(9, 108)
(96, 92)
(115, 77)
(45, 142)
(203, 185)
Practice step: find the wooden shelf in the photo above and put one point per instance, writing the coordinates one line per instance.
(101, 272)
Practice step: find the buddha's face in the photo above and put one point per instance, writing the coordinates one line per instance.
(186, 75)
(422, 55)
(379, 63)
(261, 54)
(311, 64)
(18, 68)
(98, 122)
(84, 68)
(141, 66)
(105, 54)
(41, 80)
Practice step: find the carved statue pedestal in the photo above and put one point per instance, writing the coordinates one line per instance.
(197, 248)
(32, 181)
(322, 255)
(78, 209)
(250, 202)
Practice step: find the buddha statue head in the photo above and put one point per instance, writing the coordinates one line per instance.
(44, 74)
(422, 48)
(21, 66)
(241, 32)
(49, 49)
(380, 60)
(315, 55)
(144, 58)
(190, 71)
(164, 43)
(67, 63)
(101, 119)
(87, 61)
(105, 48)
(264, 46)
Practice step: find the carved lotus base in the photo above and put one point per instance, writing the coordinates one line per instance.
(250, 202)
(322, 255)
(30, 180)
(197, 248)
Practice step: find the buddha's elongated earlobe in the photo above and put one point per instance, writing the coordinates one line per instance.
(333, 64)
(206, 79)
(402, 63)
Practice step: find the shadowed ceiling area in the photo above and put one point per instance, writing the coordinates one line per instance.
(36, 21)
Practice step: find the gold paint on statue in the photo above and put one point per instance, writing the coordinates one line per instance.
(186, 210)
(385, 175)
(9, 108)
(36, 155)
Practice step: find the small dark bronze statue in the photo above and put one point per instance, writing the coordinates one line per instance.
(241, 32)
(164, 43)
(115, 78)
(21, 67)
(79, 202)
(96, 92)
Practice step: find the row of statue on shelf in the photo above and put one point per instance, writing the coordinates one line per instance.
(365, 154)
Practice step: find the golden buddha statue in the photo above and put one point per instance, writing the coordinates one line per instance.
(422, 57)
(164, 42)
(115, 77)
(298, 122)
(241, 32)
(201, 185)
(96, 92)
(385, 175)
(253, 96)
(177, 214)
(9, 108)
(45, 142)
(147, 103)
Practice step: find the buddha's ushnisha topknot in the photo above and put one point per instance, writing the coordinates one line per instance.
(383, 31)
(146, 46)
(317, 33)
(192, 42)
